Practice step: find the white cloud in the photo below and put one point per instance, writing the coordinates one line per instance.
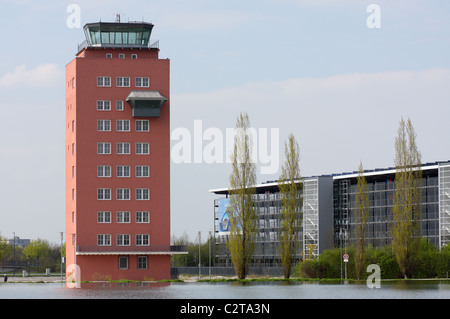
(43, 75)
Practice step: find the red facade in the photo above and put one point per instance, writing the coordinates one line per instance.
(117, 165)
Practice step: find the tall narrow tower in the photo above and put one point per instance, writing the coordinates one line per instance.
(118, 155)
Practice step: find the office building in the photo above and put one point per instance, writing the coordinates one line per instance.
(16, 241)
(327, 213)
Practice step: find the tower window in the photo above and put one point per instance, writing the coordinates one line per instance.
(142, 171)
(104, 193)
(123, 240)
(103, 105)
(123, 125)
(142, 194)
(122, 81)
(103, 217)
(123, 217)
(142, 262)
(142, 148)
(103, 81)
(123, 194)
(142, 217)
(142, 240)
(103, 125)
(104, 240)
(142, 125)
(119, 105)
(103, 171)
(142, 82)
(103, 148)
(123, 171)
(123, 148)
(123, 262)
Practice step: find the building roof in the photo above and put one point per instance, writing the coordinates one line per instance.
(273, 185)
(117, 35)
(133, 34)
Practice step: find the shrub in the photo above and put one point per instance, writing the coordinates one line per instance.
(429, 262)
(385, 259)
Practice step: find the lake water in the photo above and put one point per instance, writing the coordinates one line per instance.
(426, 289)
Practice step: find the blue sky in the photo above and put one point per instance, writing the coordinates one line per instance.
(313, 68)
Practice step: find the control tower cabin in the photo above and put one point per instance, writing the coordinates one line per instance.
(118, 156)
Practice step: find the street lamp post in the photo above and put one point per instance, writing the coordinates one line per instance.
(199, 263)
(210, 255)
(61, 256)
(14, 254)
(340, 244)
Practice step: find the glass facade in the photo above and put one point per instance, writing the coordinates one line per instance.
(381, 189)
(118, 34)
(311, 218)
(444, 205)
(266, 254)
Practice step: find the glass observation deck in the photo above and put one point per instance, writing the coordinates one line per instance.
(116, 34)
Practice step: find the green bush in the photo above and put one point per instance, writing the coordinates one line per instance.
(443, 263)
(429, 262)
(385, 259)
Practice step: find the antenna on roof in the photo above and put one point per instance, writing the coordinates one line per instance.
(117, 18)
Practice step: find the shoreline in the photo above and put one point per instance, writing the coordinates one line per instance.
(195, 279)
(32, 279)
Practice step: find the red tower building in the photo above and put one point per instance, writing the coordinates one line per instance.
(118, 156)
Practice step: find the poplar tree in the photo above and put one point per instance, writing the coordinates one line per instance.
(361, 214)
(241, 209)
(288, 185)
(407, 198)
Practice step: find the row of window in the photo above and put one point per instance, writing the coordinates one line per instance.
(123, 125)
(120, 56)
(123, 81)
(123, 240)
(142, 262)
(123, 194)
(105, 105)
(123, 217)
(123, 148)
(123, 171)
